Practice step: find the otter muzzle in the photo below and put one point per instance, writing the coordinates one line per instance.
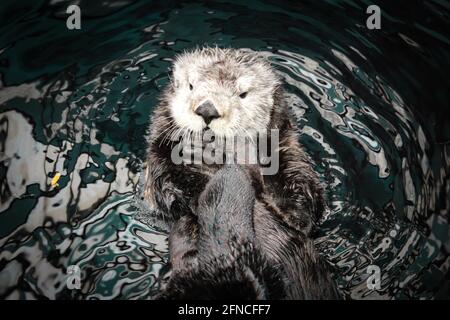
(207, 111)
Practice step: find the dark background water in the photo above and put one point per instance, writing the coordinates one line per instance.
(372, 106)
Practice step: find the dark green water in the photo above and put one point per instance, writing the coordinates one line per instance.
(372, 105)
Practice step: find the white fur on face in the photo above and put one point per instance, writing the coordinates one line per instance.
(221, 76)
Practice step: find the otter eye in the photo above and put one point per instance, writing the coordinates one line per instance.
(190, 87)
(243, 95)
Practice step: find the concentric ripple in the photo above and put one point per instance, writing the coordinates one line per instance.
(372, 106)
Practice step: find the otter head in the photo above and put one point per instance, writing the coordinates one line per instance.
(230, 91)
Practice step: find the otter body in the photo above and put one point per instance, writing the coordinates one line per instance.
(231, 92)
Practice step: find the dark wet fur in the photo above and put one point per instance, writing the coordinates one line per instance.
(286, 208)
(218, 254)
(223, 260)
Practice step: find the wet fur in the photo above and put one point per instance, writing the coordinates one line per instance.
(218, 247)
(284, 208)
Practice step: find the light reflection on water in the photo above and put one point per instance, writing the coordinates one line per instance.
(83, 110)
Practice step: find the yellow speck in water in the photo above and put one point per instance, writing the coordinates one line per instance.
(55, 179)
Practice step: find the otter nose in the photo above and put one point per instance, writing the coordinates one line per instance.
(207, 111)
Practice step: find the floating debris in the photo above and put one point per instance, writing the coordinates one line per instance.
(54, 182)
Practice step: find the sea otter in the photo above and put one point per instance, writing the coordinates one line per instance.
(215, 254)
(259, 239)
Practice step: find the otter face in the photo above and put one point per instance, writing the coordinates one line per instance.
(230, 91)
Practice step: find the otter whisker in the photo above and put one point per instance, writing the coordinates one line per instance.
(169, 125)
(168, 130)
(162, 135)
(174, 132)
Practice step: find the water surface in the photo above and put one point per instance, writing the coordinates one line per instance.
(372, 106)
